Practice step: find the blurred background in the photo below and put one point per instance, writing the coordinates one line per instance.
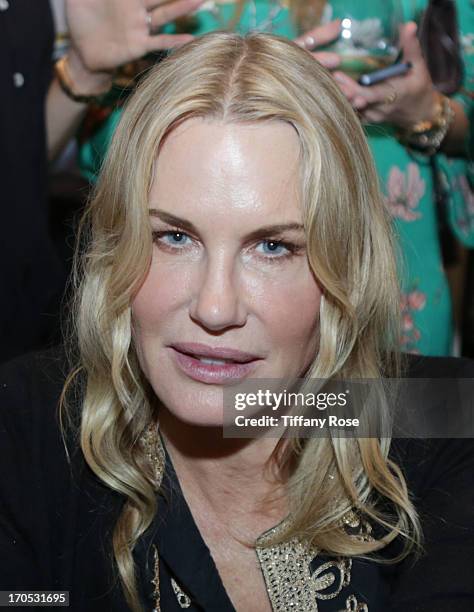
(58, 112)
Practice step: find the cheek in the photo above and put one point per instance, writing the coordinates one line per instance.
(148, 309)
(289, 307)
(158, 298)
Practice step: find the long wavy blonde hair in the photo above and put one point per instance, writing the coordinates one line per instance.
(258, 78)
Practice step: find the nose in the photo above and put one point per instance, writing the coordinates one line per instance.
(218, 303)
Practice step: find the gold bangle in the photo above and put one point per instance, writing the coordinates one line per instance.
(428, 135)
(427, 125)
(66, 84)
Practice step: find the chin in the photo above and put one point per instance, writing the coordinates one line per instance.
(201, 408)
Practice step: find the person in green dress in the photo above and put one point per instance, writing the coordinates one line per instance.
(407, 180)
(406, 176)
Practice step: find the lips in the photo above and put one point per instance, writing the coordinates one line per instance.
(220, 365)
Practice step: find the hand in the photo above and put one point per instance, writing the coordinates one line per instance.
(402, 101)
(319, 36)
(108, 33)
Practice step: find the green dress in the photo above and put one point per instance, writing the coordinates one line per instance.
(406, 179)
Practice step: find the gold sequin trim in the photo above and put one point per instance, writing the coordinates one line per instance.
(352, 605)
(183, 599)
(155, 453)
(290, 581)
(156, 579)
(291, 584)
(357, 526)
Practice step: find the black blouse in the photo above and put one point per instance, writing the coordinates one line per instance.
(56, 519)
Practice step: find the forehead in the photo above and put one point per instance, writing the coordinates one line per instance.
(225, 168)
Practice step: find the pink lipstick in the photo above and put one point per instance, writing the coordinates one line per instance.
(219, 365)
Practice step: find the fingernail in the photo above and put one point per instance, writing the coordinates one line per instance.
(330, 63)
(359, 103)
(340, 78)
(309, 42)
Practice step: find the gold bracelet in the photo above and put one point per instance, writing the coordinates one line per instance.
(427, 136)
(66, 84)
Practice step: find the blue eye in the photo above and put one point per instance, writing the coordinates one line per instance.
(177, 237)
(172, 238)
(274, 247)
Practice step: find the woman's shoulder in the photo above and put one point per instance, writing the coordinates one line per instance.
(35, 474)
(422, 366)
(32, 443)
(440, 455)
(439, 474)
(44, 367)
(30, 389)
(56, 517)
(439, 393)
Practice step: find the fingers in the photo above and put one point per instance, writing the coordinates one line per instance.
(410, 44)
(399, 100)
(320, 35)
(365, 96)
(328, 60)
(160, 15)
(348, 86)
(161, 42)
(149, 5)
(372, 116)
(360, 103)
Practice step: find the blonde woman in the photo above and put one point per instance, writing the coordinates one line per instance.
(216, 251)
(398, 115)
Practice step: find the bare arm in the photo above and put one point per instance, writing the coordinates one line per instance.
(106, 34)
(63, 115)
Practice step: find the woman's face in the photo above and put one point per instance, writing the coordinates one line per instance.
(229, 294)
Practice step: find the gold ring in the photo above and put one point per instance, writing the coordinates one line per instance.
(391, 97)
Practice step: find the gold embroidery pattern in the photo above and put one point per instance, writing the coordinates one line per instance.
(352, 605)
(156, 579)
(290, 582)
(155, 452)
(358, 527)
(151, 442)
(292, 585)
(183, 599)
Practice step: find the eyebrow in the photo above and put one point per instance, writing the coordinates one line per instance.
(268, 230)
